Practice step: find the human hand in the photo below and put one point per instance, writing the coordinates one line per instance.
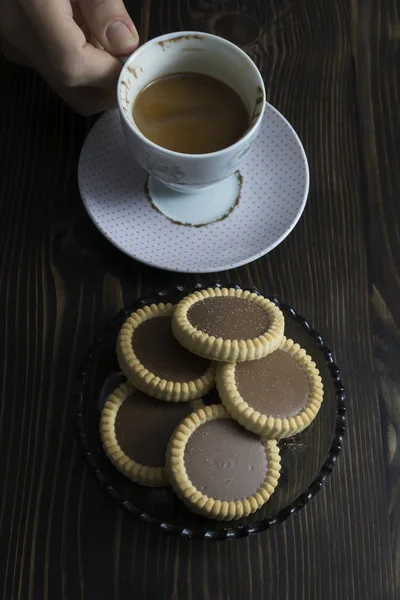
(73, 44)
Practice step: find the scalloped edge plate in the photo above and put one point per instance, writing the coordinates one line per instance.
(230, 532)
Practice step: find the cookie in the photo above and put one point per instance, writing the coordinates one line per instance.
(228, 325)
(218, 468)
(135, 429)
(276, 396)
(152, 359)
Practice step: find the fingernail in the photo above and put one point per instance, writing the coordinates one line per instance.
(121, 37)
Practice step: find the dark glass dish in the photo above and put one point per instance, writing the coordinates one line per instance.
(307, 459)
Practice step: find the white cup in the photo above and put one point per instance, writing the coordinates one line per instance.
(196, 53)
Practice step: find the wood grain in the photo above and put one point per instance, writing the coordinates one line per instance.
(332, 69)
(376, 49)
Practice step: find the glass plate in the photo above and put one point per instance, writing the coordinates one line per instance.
(307, 459)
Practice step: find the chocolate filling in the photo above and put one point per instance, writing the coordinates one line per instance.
(276, 386)
(229, 318)
(143, 426)
(158, 351)
(224, 461)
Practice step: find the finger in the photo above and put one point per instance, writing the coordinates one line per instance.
(84, 100)
(87, 101)
(80, 21)
(95, 67)
(109, 22)
(95, 42)
(76, 62)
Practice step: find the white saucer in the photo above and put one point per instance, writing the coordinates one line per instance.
(247, 217)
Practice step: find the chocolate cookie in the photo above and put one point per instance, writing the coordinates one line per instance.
(228, 325)
(276, 396)
(219, 469)
(153, 360)
(135, 430)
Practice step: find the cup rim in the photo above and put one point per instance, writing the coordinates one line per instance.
(169, 36)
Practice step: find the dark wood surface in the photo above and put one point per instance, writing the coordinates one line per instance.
(332, 68)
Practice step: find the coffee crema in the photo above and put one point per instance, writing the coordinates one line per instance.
(190, 113)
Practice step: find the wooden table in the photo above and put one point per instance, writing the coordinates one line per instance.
(332, 68)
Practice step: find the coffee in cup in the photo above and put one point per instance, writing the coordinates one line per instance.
(191, 113)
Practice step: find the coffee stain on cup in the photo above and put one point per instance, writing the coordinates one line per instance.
(258, 105)
(194, 36)
(134, 70)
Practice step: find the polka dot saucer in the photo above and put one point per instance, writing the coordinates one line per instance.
(226, 226)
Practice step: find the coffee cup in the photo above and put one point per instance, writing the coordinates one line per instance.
(190, 52)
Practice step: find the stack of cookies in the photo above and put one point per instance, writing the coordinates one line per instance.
(222, 460)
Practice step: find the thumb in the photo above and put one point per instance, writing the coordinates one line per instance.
(110, 24)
